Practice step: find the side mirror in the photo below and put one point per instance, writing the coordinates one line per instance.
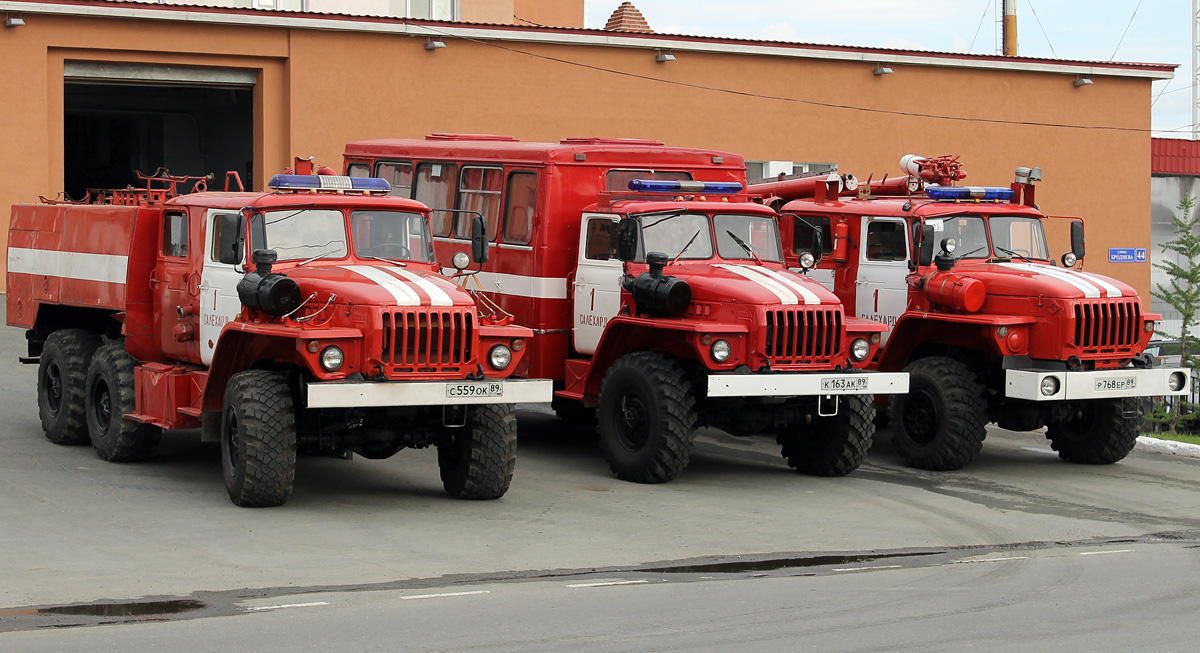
(1077, 247)
(627, 239)
(925, 251)
(818, 247)
(479, 239)
(231, 239)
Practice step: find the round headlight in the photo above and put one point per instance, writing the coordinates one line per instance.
(1176, 381)
(859, 349)
(721, 351)
(1050, 386)
(460, 260)
(1149, 327)
(332, 359)
(949, 244)
(1069, 259)
(499, 357)
(807, 260)
(1002, 331)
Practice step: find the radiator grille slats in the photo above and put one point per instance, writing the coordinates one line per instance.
(1107, 324)
(427, 337)
(803, 335)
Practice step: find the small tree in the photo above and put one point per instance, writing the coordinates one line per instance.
(1183, 294)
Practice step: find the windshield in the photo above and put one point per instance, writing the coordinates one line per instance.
(968, 231)
(736, 233)
(1014, 236)
(391, 235)
(305, 233)
(672, 233)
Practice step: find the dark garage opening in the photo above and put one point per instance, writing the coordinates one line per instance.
(112, 129)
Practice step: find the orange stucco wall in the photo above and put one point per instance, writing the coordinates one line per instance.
(551, 13)
(311, 100)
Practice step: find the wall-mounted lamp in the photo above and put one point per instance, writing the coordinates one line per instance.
(664, 56)
(881, 69)
(434, 44)
(1082, 80)
(13, 20)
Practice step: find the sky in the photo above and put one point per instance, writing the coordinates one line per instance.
(1143, 31)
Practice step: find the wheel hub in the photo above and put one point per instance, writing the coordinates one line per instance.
(52, 382)
(633, 425)
(920, 417)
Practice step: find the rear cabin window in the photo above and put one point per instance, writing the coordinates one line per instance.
(175, 234)
(618, 180)
(803, 231)
(479, 190)
(399, 175)
(519, 203)
(600, 245)
(433, 186)
(358, 170)
(886, 241)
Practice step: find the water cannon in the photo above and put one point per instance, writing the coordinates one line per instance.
(943, 170)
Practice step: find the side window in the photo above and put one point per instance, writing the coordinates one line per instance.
(886, 241)
(802, 234)
(618, 180)
(600, 243)
(358, 170)
(519, 203)
(218, 225)
(175, 234)
(479, 190)
(399, 174)
(434, 187)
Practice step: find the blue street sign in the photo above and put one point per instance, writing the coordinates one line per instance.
(1127, 255)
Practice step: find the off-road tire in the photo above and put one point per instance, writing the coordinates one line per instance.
(258, 439)
(940, 424)
(477, 460)
(647, 417)
(111, 396)
(831, 446)
(1100, 437)
(62, 382)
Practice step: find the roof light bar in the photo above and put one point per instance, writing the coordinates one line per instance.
(329, 182)
(683, 185)
(968, 193)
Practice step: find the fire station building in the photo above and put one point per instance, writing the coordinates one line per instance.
(96, 88)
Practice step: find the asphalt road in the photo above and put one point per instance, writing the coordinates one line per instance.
(1019, 550)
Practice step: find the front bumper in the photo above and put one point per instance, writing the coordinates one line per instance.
(357, 394)
(1099, 384)
(807, 384)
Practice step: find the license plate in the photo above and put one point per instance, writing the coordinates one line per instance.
(844, 383)
(468, 390)
(1127, 383)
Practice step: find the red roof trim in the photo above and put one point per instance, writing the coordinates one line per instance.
(1174, 156)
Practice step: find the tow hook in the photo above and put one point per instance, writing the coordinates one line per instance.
(823, 403)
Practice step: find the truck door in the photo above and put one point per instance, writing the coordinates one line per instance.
(881, 293)
(219, 301)
(174, 288)
(597, 282)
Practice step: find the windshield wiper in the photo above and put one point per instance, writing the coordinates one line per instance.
(321, 255)
(388, 260)
(685, 247)
(741, 243)
(1012, 254)
(977, 249)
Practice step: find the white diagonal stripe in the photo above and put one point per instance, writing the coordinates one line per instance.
(109, 268)
(404, 295)
(1112, 290)
(437, 296)
(1089, 291)
(786, 296)
(808, 295)
(515, 285)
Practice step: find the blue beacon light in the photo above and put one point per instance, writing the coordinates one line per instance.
(329, 182)
(684, 185)
(969, 193)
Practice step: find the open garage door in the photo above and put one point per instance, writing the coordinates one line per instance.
(124, 117)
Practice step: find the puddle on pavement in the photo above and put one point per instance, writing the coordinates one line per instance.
(784, 563)
(133, 609)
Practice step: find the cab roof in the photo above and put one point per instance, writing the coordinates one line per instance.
(318, 199)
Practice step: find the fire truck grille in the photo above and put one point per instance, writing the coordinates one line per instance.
(1107, 324)
(803, 335)
(428, 337)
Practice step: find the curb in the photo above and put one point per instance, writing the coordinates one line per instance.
(1145, 443)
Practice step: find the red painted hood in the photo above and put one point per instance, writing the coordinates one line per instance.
(1021, 278)
(747, 283)
(379, 285)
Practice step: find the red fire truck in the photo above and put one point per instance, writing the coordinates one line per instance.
(142, 315)
(659, 309)
(991, 329)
